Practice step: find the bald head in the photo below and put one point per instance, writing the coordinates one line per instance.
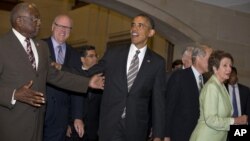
(61, 28)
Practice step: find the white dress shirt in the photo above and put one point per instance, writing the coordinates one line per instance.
(132, 52)
(237, 93)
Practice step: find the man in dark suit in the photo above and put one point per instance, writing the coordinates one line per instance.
(183, 87)
(242, 95)
(23, 77)
(90, 102)
(59, 100)
(125, 111)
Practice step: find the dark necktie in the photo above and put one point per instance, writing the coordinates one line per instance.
(234, 102)
(30, 53)
(200, 82)
(60, 55)
(133, 70)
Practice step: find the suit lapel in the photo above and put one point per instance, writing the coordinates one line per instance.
(67, 54)
(51, 49)
(224, 94)
(124, 57)
(22, 54)
(145, 67)
(191, 81)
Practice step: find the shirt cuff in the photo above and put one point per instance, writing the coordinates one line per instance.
(13, 101)
(231, 121)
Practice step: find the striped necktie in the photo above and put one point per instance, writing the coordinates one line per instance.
(30, 53)
(133, 70)
(60, 55)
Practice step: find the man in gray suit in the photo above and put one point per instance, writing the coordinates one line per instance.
(25, 67)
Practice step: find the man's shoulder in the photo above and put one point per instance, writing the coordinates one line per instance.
(7, 36)
(155, 55)
(244, 87)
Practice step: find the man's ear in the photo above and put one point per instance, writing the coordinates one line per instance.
(82, 59)
(151, 33)
(19, 21)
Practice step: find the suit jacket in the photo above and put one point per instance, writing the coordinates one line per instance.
(91, 112)
(22, 121)
(215, 113)
(148, 87)
(59, 100)
(182, 106)
(244, 94)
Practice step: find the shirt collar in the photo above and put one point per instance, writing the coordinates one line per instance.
(196, 73)
(56, 44)
(133, 48)
(19, 36)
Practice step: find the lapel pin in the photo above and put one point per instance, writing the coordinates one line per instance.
(148, 61)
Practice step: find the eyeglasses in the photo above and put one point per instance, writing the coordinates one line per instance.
(63, 27)
(32, 19)
(92, 56)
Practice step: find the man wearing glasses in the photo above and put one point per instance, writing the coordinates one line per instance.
(59, 100)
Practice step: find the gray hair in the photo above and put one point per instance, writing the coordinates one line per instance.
(188, 49)
(199, 50)
(18, 10)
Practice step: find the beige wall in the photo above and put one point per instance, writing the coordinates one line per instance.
(93, 24)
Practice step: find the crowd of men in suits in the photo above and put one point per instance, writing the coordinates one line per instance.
(138, 98)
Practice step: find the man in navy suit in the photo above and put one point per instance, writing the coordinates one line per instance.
(59, 100)
(182, 106)
(242, 94)
(125, 111)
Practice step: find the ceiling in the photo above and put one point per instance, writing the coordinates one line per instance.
(8, 5)
(238, 5)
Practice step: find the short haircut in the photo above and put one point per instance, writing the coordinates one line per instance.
(176, 63)
(216, 57)
(18, 10)
(149, 19)
(188, 49)
(234, 70)
(199, 50)
(85, 48)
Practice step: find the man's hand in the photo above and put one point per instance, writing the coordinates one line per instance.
(68, 132)
(29, 96)
(97, 81)
(157, 139)
(167, 139)
(79, 127)
(241, 120)
(56, 65)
